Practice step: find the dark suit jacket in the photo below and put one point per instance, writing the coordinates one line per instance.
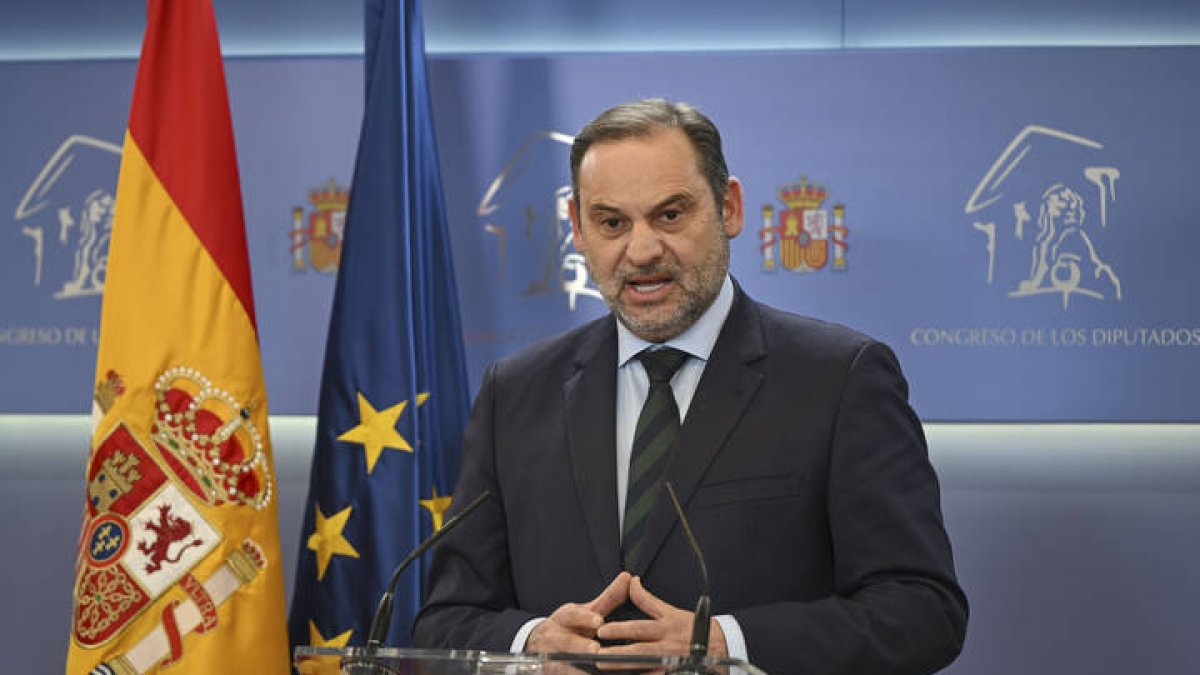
(803, 472)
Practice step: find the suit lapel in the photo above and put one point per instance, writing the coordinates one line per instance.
(726, 388)
(591, 395)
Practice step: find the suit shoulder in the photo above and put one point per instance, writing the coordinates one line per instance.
(551, 355)
(785, 330)
(801, 350)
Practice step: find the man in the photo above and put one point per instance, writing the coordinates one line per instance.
(800, 465)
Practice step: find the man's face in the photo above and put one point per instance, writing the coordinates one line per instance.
(648, 225)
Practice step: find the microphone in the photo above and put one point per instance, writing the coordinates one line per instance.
(383, 614)
(698, 649)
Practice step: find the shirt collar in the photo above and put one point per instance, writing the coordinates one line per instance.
(698, 340)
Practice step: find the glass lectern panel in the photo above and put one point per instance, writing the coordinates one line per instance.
(390, 661)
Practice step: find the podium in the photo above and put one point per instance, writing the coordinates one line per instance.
(392, 661)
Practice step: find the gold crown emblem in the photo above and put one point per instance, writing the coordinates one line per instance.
(210, 441)
(329, 197)
(803, 195)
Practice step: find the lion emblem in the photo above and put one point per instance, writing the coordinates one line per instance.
(168, 530)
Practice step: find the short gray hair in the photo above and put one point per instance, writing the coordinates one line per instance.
(641, 118)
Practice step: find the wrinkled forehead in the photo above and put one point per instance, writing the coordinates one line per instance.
(660, 161)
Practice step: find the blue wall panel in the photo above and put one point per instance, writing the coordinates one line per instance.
(1016, 230)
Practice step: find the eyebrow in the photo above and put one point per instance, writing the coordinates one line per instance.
(602, 209)
(678, 197)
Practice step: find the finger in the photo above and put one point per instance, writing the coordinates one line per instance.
(577, 619)
(625, 667)
(612, 596)
(550, 636)
(647, 601)
(564, 642)
(639, 630)
(637, 648)
(559, 668)
(578, 645)
(647, 654)
(717, 646)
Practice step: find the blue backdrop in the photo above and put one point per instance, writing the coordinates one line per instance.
(1017, 223)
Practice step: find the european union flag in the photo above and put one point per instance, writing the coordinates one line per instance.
(393, 393)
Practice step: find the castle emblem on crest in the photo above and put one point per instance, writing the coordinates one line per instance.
(320, 233)
(805, 237)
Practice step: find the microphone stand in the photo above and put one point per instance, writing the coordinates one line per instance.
(383, 613)
(698, 649)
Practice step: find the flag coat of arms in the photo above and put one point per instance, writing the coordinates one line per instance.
(178, 562)
(393, 393)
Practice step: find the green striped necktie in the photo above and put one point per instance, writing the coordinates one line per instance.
(657, 429)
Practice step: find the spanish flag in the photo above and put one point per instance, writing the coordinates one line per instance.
(178, 561)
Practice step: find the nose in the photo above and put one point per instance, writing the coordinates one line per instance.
(645, 245)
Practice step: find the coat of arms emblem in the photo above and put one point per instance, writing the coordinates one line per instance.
(804, 237)
(320, 234)
(152, 520)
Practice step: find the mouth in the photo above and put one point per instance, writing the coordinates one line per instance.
(647, 286)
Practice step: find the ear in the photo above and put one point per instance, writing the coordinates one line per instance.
(731, 209)
(576, 228)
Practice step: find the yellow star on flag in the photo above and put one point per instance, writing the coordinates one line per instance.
(327, 539)
(323, 665)
(376, 430)
(317, 640)
(437, 507)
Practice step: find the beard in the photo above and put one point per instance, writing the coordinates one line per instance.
(698, 286)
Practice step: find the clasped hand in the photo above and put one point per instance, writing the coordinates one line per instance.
(578, 628)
